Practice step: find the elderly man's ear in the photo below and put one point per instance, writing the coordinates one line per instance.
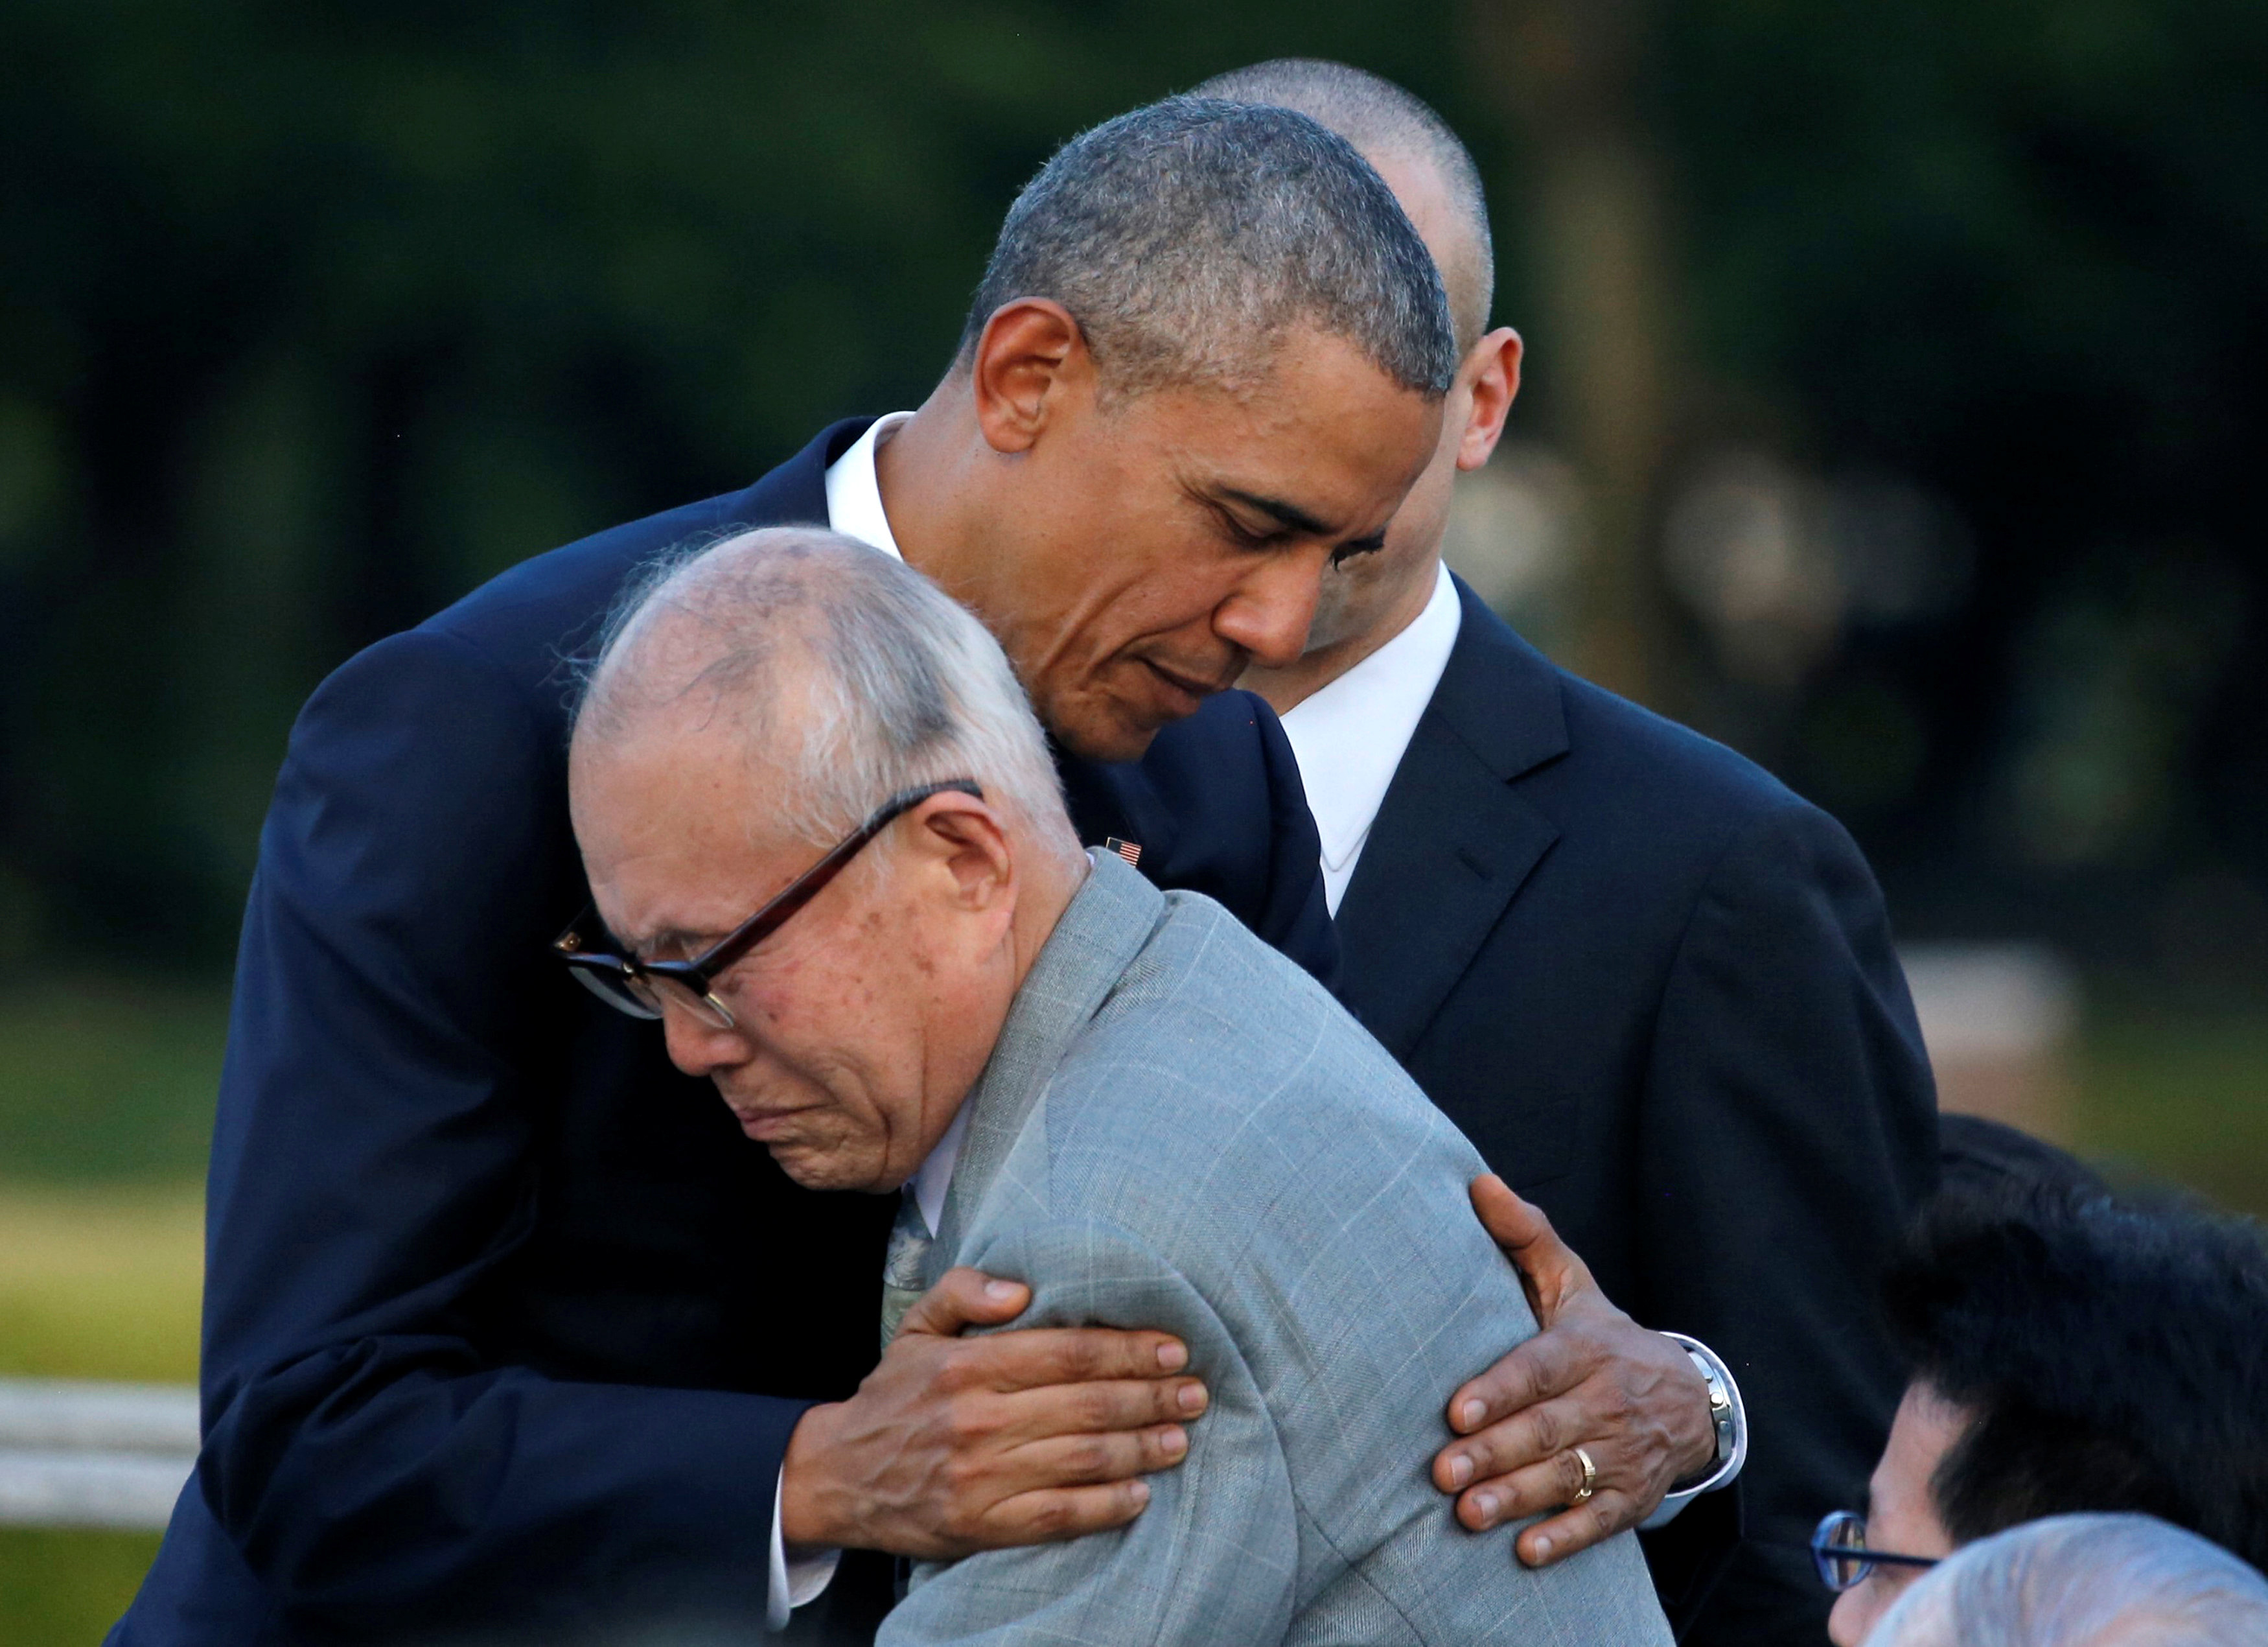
(965, 842)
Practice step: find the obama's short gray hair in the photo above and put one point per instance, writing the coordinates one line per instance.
(1186, 238)
(2082, 1581)
(849, 675)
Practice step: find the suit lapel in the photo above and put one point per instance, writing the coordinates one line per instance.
(1454, 841)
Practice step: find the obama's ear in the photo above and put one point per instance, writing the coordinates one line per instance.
(1030, 359)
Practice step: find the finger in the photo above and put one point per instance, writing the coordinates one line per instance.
(1052, 1515)
(1098, 1408)
(1550, 1268)
(1596, 1520)
(1512, 1223)
(1041, 1355)
(1092, 1460)
(965, 1298)
(1534, 1489)
(1535, 1434)
(1548, 1365)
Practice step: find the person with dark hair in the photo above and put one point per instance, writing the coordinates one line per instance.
(2067, 1354)
(1656, 989)
(507, 1324)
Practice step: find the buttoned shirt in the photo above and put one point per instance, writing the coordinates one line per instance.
(1349, 735)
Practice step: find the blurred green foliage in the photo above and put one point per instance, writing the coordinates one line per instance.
(318, 314)
(2180, 1096)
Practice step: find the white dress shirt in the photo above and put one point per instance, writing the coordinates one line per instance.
(1349, 738)
(854, 508)
(854, 490)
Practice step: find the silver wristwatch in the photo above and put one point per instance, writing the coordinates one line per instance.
(1724, 1417)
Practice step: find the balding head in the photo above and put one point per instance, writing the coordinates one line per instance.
(838, 673)
(1398, 133)
(751, 707)
(2083, 1581)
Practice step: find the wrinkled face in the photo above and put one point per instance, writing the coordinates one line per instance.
(862, 1023)
(1901, 1515)
(1163, 540)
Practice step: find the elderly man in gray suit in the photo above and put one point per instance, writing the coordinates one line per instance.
(1116, 1096)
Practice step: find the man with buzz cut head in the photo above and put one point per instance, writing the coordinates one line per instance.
(507, 1327)
(1652, 986)
(1118, 1097)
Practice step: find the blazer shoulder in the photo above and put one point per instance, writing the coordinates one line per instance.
(1598, 756)
(1228, 727)
(1244, 1059)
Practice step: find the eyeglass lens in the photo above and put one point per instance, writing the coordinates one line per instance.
(704, 1008)
(617, 993)
(642, 996)
(1843, 1531)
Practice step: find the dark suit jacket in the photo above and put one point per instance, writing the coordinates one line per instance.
(1657, 990)
(504, 1320)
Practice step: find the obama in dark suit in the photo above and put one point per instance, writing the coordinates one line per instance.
(507, 1327)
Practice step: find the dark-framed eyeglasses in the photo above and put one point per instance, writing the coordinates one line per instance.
(1838, 1550)
(641, 988)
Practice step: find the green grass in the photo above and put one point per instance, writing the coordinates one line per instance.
(66, 1589)
(95, 1282)
(108, 1078)
(105, 1104)
(106, 1107)
(2181, 1096)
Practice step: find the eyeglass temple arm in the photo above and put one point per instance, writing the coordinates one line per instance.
(751, 932)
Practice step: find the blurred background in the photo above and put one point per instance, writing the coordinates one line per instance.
(1891, 376)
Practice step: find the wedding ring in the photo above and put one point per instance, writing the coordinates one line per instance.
(1590, 1476)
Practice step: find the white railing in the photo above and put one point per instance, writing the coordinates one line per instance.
(93, 1455)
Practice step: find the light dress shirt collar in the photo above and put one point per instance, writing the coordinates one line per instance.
(854, 491)
(854, 508)
(1349, 737)
(934, 1176)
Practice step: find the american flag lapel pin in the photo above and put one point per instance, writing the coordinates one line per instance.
(1130, 851)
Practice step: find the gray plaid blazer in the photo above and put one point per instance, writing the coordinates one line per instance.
(1180, 1129)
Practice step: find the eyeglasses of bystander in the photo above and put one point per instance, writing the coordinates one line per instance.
(1838, 1550)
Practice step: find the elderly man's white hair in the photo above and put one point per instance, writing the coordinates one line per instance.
(2083, 1581)
(849, 675)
